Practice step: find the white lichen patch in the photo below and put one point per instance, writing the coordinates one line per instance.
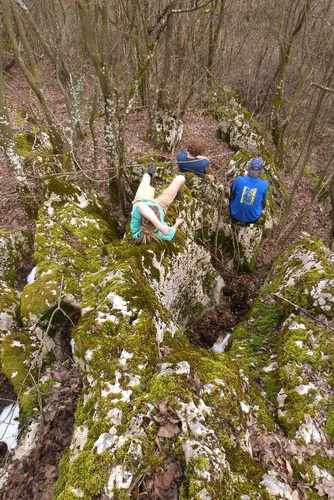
(31, 275)
(79, 440)
(76, 491)
(271, 367)
(322, 295)
(295, 325)
(27, 443)
(304, 389)
(281, 398)
(249, 240)
(180, 368)
(124, 357)
(102, 317)
(89, 355)
(309, 431)
(276, 487)
(207, 389)
(322, 474)
(193, 418)
(115, 416)
(104, 442)
(119, 303)
(179, 281)
(133, 381)
(245, 407)
(216, 458)
(116, 388)
(119, 478)
(299, 343)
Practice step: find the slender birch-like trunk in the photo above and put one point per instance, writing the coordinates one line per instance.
(9, 146)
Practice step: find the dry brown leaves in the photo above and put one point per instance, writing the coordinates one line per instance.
(194, 382)
(167, 419)
(325, 488)
(275, 451)
(164, 483)
(35, 475)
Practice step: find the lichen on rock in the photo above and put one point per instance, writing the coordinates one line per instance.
(9, 307)
(72, 229)
(155, 410)
(15, 246)
(139, 368)
(285, 342)
(242, 133)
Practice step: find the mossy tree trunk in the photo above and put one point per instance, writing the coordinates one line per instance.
(13, 158)
(287, 33)
(22, 48)
(94, 24)
(307, 146)
(215, 31)
(68, 64)
(331, 194)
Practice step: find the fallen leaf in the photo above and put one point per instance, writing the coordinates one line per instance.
(194, 382)
(165, 350)
(162, 405)
(168, 430)
(328, 487)
(288, 466)
(319, 489)
(163, 481)
(157, 442)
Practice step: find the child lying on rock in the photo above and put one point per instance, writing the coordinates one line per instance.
(148, 213)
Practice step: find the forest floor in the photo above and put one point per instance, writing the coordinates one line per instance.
(240, 289)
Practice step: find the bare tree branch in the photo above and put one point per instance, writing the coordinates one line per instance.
(328, 89)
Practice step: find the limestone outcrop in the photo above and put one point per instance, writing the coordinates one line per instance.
(157, 414)
(243, 134)
(14, 247)
(286, 344)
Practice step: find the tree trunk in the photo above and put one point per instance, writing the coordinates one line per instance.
(13, 158)
(331, 194)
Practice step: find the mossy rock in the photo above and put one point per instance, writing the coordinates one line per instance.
(36, 145)
(73, 228)
(15, 246)
(129, 344)
(236, 125)
(128, 316)
(9, 307)
(243, 134)
(120, 421)
(17, 350)
(282, 344)
(308, 272)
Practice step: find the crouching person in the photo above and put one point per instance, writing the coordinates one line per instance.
(148, 213)
(248, 194)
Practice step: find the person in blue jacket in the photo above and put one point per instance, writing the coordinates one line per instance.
(192, 160)
(248, 194)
